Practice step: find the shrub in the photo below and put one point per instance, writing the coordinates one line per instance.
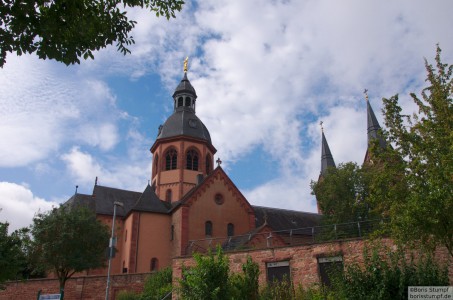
(158, 285)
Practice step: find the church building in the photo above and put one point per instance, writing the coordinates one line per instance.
(190, 204)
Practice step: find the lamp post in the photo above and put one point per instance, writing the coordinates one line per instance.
(111, 244)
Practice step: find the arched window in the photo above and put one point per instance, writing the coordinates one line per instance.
(171, 159)
(168, 195)
(208, 228)
(188, 101)
(208, 164)
(180, 101)
(154, 266)
(156, 163)
(230, 229)
(192, 160)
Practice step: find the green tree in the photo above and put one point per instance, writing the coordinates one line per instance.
(208, 279)
(342, 194)
(67, 30)
(12, 258)
(158, 285)
(69, 240)
(421, 205)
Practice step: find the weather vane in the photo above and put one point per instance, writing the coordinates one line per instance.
(186, 62)
(366, 94)
(322, 128)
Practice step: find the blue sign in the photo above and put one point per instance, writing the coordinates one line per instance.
(50, 297)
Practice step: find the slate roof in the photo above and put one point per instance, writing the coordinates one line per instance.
(184, 122)
(185, 87)
(283, 219)
(326, 156)
(101, 202)
(149, 202)
(373, 126)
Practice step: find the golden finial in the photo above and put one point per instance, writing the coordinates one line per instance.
(186, 62)
(366, 94)
(322, 128)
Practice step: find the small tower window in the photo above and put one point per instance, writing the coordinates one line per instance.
(192, 160)
(168, 195)
(154, 264)
(208, 228)
(171, 159)
(180, 101)
(230, 229)
(172, 232)
(156, 163)
(208, 164)
(188, 102)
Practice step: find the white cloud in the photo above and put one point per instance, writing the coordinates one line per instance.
(18, 205)
(83, 167)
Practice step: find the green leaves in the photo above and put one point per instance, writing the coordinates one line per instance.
(424, 146)
(68, 30)
(69, 240)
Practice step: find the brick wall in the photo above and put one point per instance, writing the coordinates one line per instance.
(87, 288)
(303, 260)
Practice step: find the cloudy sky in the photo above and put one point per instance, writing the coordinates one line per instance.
(266, 73)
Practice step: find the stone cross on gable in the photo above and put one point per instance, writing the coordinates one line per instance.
(219, 162)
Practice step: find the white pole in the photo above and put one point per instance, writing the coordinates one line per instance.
(111, 248)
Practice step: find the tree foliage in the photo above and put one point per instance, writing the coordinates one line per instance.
(67, 30)
(158, 285)
(210, 278)
(69, 240)
(421, 205)
(12, 258)
(342, 194)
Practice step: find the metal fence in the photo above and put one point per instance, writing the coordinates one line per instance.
(290, 237)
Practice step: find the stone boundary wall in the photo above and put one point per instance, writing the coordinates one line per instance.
(86, 287)
(303, 260)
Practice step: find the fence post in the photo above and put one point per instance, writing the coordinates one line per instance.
(313, 233)
(291, 237)
(335, 228)
(360, 232)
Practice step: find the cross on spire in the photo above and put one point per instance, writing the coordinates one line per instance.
(366, 94)
(322, 128)
(219, 162)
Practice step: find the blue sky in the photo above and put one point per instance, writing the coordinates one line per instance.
(265, 73)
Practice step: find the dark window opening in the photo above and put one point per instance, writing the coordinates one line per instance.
(180, 101)
(125, 236)
(230, 229)
(278, 271)
(328, 268)
(156, 162)
(168, 195)
(124, 267)
(208, 228)
(192, 160)
(154, 264)
(188, 104)
(171, 159)
(172, 233)
(208, 164)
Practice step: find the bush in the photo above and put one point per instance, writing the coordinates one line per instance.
(127, 295)
(388, 277)
(158, 285)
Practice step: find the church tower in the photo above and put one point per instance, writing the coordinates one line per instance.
(182, 153)
(326, 161)
(373, 128)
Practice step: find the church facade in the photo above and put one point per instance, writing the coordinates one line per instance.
(188, 199)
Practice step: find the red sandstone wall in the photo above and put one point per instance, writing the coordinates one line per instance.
(86, 288)
(302, 259)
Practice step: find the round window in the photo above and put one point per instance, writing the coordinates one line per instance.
(219, 199)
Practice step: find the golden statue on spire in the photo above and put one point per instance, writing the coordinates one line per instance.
(186, 62)
(366, 94)
(322, 128)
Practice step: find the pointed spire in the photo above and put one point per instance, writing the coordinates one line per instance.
(326, 156)
(373, 126)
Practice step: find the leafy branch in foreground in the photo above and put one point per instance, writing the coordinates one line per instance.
(67, 30)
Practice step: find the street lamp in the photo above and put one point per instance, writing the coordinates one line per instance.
(111, 244)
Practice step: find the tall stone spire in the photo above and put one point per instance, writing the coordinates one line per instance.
(373, 126)
(326, 156)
